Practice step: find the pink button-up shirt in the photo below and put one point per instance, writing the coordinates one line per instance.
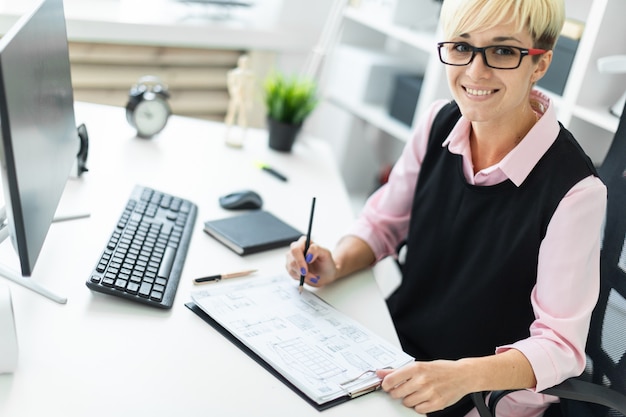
(568, 267)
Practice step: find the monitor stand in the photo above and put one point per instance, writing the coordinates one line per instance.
(11, 275)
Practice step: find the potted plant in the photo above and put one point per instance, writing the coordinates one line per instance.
(289, 100)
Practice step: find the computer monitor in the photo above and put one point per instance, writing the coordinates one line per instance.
(38, 134)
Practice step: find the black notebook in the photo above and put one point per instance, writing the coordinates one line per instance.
(252, 232)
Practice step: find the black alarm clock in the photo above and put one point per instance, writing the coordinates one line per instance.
(148, 109)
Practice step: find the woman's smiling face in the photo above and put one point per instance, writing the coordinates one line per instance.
(487, 94)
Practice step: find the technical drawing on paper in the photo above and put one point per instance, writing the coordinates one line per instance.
(309, 342)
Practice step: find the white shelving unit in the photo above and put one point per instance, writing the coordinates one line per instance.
(402, 39)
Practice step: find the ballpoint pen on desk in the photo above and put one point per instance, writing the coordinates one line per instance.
(216, 278)
(308, 242)
(271, 171)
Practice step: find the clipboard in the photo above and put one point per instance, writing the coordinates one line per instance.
(320, 407)
(324, 356)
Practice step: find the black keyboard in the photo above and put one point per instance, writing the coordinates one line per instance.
(144, 257)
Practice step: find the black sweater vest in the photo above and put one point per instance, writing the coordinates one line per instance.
(472, 251)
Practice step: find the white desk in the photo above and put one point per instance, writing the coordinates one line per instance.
(103, 356)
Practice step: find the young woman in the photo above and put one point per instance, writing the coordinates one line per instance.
(501, 212)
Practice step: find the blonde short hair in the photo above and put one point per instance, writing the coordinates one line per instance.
(542, 18)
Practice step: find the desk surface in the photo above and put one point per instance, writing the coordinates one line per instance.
(103, 356)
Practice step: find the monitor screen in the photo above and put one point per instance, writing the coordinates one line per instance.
(39, 139)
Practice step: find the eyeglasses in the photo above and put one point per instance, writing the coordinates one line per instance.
(494, 56)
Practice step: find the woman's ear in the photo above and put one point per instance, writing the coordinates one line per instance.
(542, 66)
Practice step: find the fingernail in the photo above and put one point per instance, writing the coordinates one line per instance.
(302, 271)
(314, 280)
(309, 258)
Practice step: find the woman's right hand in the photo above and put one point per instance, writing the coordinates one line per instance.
(318, 267)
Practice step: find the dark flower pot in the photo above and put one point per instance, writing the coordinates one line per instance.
(282, 135)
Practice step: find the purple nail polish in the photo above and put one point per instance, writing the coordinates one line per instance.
(314, 280)
(302, 271)
(309, 258)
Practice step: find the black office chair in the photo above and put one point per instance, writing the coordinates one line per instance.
(601, 390)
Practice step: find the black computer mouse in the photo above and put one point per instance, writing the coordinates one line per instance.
(243, 199)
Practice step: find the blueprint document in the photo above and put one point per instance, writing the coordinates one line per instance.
(323, 352)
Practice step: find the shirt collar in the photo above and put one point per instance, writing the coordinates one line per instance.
(518, 163)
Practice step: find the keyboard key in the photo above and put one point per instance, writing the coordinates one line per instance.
(109, 282)
(145, 289)
(120, 284)
(167, 262)
(132, 288)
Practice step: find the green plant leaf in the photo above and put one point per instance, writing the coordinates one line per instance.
(289, 99)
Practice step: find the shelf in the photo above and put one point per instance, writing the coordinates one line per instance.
(425, 41)
(393, 31)
(375, 115)
(597, 116)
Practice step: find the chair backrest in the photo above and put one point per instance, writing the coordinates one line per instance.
(606, 345)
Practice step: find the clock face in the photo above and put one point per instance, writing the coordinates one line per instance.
(150, 115)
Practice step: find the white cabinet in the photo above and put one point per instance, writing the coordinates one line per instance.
(584, 106)
(375, 44)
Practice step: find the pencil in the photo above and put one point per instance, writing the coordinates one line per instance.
(219, 277)
(274, 172)
(265, 167)
(308, 242)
